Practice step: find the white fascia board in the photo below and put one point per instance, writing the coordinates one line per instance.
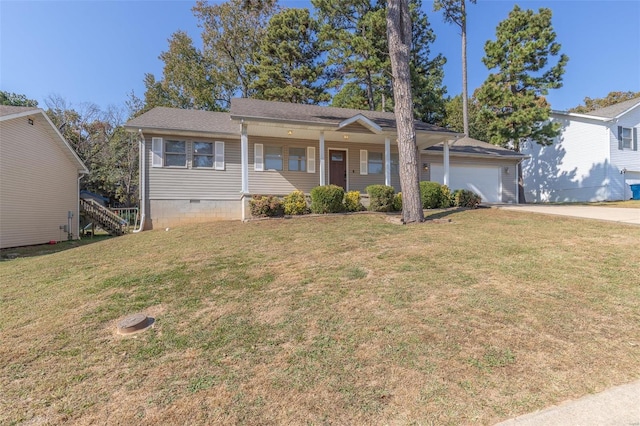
(21, 114)
(364, 121)
(178, 132)
(577, 115)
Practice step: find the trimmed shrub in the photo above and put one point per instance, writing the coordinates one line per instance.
(352, 202)
(447, 197)
(265, 206)
(380, 198)
(295, 203)
(397, 202)
(430, 194)
(466, 198)
(327, 199)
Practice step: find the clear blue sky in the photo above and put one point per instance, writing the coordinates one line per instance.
(99, 51)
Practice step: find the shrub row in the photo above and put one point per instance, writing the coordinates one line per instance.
(324, 199)
(382, 198)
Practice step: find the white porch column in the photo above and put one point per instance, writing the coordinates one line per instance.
(244, 158)
(387, 161)
(446, 162)
(322, 165)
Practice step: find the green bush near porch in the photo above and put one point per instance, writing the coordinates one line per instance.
(327, 199)
(295, 203)
(266, 206)
(431, 195)
(352, 202)
(380, 198)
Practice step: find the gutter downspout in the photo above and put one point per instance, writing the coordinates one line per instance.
(78, 208)
(142, 181)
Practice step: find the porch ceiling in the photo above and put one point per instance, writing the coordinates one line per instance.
(304, 132)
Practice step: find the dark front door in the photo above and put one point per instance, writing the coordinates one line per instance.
(338, 168)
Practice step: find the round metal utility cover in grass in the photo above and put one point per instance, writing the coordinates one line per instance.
(133, 323)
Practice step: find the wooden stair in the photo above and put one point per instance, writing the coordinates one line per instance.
(103, 217)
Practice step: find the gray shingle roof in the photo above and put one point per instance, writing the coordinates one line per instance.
(162, 118)
(315, 114)
(473, 146)
(612, 111)
(10, 109)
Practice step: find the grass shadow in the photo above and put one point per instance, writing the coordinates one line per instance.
(45, 249)
(443, 213)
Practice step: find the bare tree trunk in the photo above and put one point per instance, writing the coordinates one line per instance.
(465, 93)
(399, 37)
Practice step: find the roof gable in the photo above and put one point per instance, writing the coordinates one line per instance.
(615, 111)
(8, 112)
(359, 121)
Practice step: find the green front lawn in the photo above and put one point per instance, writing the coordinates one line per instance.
(346, 319)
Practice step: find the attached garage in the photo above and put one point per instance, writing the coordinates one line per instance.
(488, 170)
(484, 181)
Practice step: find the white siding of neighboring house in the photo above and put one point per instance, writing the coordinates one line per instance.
(38, 184)
(628, 159)
(576, 167)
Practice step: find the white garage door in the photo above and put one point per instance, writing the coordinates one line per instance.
(484, 181)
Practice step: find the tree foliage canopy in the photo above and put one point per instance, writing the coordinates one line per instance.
(252, 48)
(288, 62)
(108, 151)
(612, 98)
(14, 99)
(512, 98)
(453, 118)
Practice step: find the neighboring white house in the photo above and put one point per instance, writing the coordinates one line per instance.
(39, 180)
(595, 158)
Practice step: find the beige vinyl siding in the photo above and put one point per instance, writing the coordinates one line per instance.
(282, 182)
(179, 183)
(38, 185)
(356, 181)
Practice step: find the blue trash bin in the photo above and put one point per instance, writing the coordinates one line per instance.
(635, 190)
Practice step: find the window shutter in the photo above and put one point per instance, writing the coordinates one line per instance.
(218, 161)
(635, 138)
(364, 159)
(620, 137)
(311, 159)
(156, 150)
(258, 160)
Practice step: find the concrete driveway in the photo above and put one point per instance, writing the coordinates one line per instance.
(611, 214)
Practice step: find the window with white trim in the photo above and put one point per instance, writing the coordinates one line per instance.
(203, 155)
(273, 157)
(297, 159)
(175, 153)
(375, 163)
(208, 155)
(627, 138)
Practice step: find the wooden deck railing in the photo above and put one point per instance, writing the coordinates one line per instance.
(103, 217)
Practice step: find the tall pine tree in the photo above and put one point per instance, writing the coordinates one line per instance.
(288, 66)
(512, 99)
